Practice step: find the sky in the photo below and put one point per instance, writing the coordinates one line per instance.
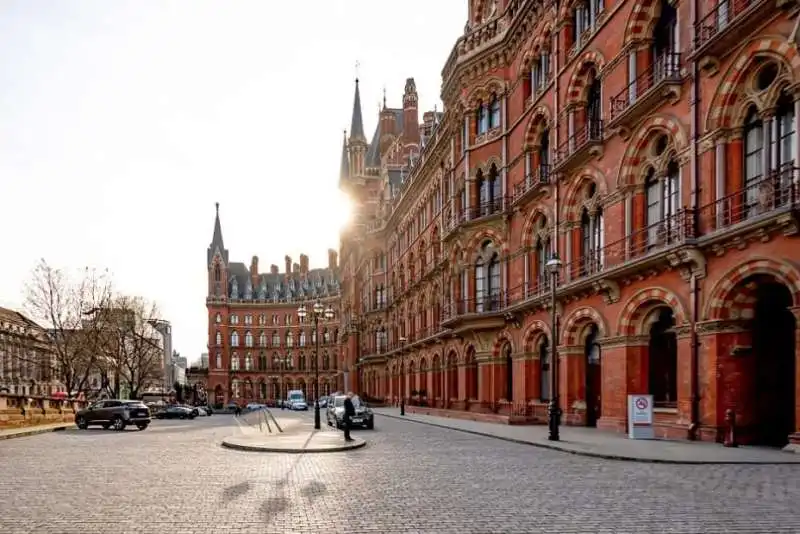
(123, 122)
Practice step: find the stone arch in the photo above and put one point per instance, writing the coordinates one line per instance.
(726, 102)
(629, 169)
(580, 79)
(532, 334)
(504, 337)
(638, 306)
(483, 92)
(577, 320)
(640, 22)
(539, 121)
(455, 255)
(486, 167)
(539, 210)
(482, 235)
(724, 296)
(468, 351)
(573, 198)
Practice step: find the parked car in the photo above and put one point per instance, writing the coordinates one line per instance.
(254, 407)
(116, 414)
(295, 400)
(177, 412)
(323, 402)
(363, 417)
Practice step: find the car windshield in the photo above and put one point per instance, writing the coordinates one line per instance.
(296, 396)
(338, 402)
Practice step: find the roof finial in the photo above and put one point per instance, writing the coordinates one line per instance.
(358, 64)
(384, 96)
(217, 205)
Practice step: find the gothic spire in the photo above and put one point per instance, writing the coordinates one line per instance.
(345, 168)
(357, 124)
(217, 245)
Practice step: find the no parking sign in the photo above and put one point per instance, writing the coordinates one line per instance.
(640, 417)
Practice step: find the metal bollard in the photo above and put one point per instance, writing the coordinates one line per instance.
(402, 406)
(730, 431)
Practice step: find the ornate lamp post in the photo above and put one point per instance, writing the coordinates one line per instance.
(317, 311)
(553, 266)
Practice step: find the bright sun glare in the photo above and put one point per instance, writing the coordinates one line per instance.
(342, 210)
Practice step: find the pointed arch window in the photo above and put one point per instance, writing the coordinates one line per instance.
(262, 362)
(248, 362)
(594, 109)
(301, 362)
(302, 338)
(234, 362)
(248, 339)
(663, 197)
(487, 279)
(544, 369)
(217, 318)
(326, 336)
(218, 339)
(262, 339)
(542, 277)
(218, 361)
(314, 337)
(289, 339)
(326, 361)
(494, 112)
(665, 42)
(591, 233)
(481, 119)
(234, 339)
(276, 339)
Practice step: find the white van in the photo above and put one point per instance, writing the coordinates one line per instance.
(295, 400)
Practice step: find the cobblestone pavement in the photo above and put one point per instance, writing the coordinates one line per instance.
(174, 477)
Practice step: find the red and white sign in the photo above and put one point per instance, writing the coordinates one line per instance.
(640, 416)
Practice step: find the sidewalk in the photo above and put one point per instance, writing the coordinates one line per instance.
(10, 433)
(589, 442)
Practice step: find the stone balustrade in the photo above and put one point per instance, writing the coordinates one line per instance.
(28, 410)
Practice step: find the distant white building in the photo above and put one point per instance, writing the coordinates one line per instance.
(204, 360)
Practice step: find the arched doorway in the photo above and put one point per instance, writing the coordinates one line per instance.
(773, 352)
(219, 396)
(594, 376)
(662, 364)
(508, 363)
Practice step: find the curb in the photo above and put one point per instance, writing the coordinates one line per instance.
(258, 448)
(604, 456)
(33, 432)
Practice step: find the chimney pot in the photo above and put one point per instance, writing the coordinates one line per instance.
(303, 264)
(288, 261)
(296, 268)
(273, 269)
(333, 258)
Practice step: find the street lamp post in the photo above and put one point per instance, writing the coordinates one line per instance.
(402, 381)
(317, 311)
(553, 411)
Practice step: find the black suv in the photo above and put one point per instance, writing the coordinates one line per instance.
(116, 414)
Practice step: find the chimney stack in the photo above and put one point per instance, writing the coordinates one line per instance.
(333, 258)
(288, 261)
(254, 266)
(303, 264)
(296, 268)
(273, 269)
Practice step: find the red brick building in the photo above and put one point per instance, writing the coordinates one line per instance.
(652, 146)
(259, 349)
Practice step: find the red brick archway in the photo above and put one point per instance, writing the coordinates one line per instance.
(637, 307)
(578, 320)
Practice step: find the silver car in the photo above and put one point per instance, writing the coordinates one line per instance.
(363, 418)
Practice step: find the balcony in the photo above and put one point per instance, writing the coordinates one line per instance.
(729, 23)
(476, 214)
(481, 313)
(532, 186)
(658, 83)
(763, 207)
(587, 143)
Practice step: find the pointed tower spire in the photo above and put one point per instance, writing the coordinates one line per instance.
(217, 245)
(345, 167)
(357, 123)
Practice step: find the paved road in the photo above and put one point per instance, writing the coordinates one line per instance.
(175, 478)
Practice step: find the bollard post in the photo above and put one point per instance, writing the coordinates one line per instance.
(402, 406)
(730, 430)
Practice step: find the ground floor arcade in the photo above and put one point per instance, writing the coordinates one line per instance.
(264, 388)
(746, 359)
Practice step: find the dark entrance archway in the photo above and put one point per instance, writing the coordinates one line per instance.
(773, 330)
(594, 376)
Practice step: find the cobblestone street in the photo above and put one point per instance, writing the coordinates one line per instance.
(175, 477)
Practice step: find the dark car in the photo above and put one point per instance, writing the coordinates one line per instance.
(177, 412)
(116, 414)
(363, 418)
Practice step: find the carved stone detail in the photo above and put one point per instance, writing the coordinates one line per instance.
(609, 289)
(721, 326)
(690, 261)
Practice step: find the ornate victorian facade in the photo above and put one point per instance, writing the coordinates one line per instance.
(26, 357)
(652, 145)
(258, 348)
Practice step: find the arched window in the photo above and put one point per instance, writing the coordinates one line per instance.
(663, 359)
(262, 362)
(481, 119)
(591, 233)
(219, 339)
(234, 362)
(234, 339)
(217, 273)
(277, 362)
(217, 318)
(219, 361)
(289, 339)
(480, 283)
(262, 339)
(326, 336)
(248, 362)
(487, 279)
(314, 337)
(544, 157)
(248, 339)
(544, 370)
(326, 361)
(594, 110)
(276, 339)
(494, 112)
(302, 338)
(301, 362)
(665, 41)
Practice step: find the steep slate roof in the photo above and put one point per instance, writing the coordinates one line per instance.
(357, 123)
(216, 242)
(318, 283)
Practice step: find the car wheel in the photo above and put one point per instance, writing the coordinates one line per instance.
(118, 423)
(371, 425)
(81, 423)
(141, 426)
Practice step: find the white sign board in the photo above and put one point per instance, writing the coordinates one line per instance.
(640, 417)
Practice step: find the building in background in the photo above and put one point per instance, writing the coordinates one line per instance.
(179, 366)
(27, 360)
(654, 157)
(204, 360)
(164, 328)
(258, 347)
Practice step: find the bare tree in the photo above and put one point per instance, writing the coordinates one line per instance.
(133, 349)
(63, 305)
